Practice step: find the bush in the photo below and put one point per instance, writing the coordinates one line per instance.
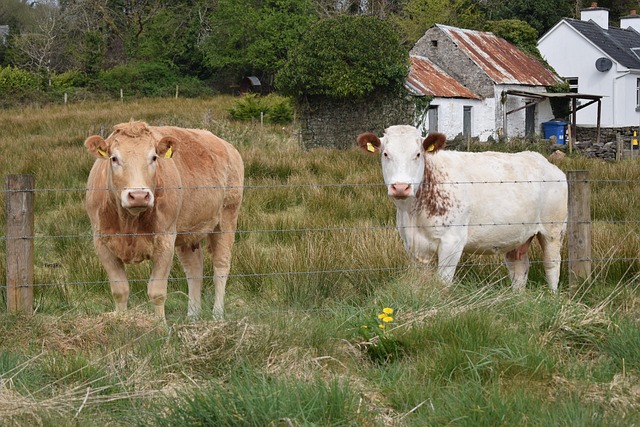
(14, 80)
(345, 57)
(19, 87)
(520, 33)
(276, 109)
(149, 79)
(69, 79)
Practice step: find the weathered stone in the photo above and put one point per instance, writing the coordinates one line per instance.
(332, 124)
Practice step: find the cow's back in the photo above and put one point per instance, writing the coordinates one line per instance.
(504, 197)
(211, 176)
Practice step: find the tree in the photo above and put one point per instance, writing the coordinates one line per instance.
(17, 14)
(254, 36)
(540, 14)
(417, 16)
(176, 36)
(521, 34)
(345, 57)
(36, 48)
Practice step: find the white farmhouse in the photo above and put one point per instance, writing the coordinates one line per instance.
(485, 67)
(600, 59)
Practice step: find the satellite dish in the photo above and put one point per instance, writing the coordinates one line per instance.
(603, 64)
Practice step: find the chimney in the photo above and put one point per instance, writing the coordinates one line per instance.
(632, 20)
(599, 15)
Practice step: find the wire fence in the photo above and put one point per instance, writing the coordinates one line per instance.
(331, 231)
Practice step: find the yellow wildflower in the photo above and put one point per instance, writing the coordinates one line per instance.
(387, 319)
(387, 310)
(381, 326)
(381, 315)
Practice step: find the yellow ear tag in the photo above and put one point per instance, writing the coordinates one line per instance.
(102, 153)
(169, 153)
(370, 147)
(431, 148)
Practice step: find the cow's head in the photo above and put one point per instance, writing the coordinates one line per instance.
(133, 155)
(402, 151)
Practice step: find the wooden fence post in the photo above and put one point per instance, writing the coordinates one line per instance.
(20, 230)
(579, 227)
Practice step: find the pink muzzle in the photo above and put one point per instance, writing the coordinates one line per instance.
(400, 190)
(137, 200)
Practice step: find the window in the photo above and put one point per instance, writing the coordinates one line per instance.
(529, 121)
(573, 84)
(637, 93)
(433, 118)
(434, 43)
(466, 122)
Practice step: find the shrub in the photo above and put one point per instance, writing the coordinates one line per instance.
(149, 79)
(69, 79)
(345, 57)
(276, 109)
(14, 80)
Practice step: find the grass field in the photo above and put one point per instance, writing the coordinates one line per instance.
(316, 259)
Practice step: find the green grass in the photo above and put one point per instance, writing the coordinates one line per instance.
(314, 260)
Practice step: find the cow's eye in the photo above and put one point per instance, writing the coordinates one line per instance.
(154, 158)
(114, 159)
(385, 154)
(417, 155)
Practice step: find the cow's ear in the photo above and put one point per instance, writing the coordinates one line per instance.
(369, 142)
(166, 147)
(97, 146)
(434, 142)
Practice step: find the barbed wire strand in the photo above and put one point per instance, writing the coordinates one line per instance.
(305, 230)
(320, 229)
(328, 272)
(326, 185)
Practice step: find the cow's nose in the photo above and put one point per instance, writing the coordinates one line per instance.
(138, 199)
(400, 190)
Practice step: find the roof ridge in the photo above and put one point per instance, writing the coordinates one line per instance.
(609, 40)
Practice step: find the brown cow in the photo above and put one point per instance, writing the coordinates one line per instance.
(155, 188)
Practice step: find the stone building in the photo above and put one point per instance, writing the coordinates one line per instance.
(457, 85)
(489, 67)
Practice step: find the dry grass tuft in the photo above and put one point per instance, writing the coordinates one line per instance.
(577, 327)
(487, 297)
(621, 394)
(13, 404)
(207, 343)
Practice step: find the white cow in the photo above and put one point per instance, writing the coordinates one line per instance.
(451, 202)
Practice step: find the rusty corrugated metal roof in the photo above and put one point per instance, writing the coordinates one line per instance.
(502, 61)
(426, 78)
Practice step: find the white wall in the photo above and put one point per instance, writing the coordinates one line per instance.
(450, 117)
(486, 115)
(571, 55)
(516, 121)
(624, 108)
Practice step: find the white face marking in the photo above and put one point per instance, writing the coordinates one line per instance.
(402, 161)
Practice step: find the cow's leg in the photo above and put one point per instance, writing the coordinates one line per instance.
(157, 286)
(448, 258)
(518, 269)
(192, 261)
(552, 257)
(220, 245)
(117, 276)
(517, 262)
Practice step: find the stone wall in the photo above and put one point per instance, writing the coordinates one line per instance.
(606, 149)
(327, 123)
(442, 51)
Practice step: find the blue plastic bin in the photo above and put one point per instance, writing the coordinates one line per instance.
(557, 129)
